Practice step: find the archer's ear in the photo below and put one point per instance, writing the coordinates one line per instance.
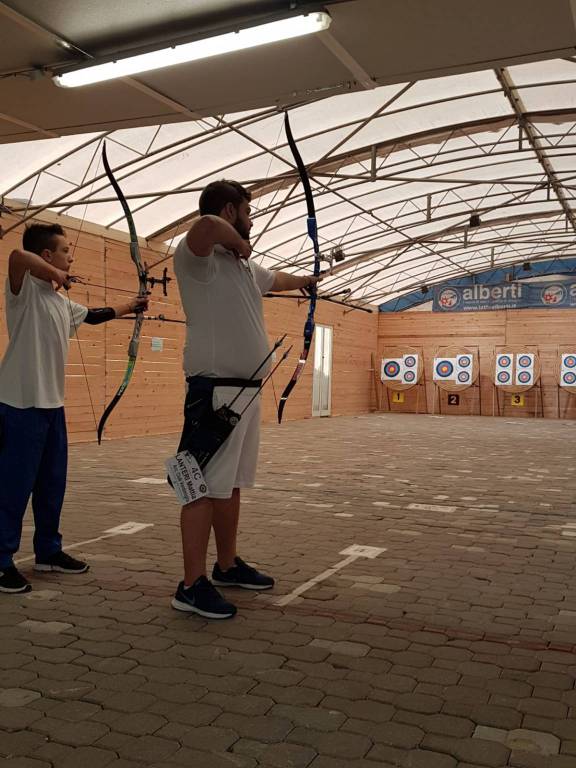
(229, 212)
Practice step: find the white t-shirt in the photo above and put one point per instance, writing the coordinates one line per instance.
(40, 322)
(222, 298)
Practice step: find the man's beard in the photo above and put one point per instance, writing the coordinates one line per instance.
(242, 231)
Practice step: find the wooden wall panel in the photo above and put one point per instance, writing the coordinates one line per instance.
(549, 330)
(354, 339)
(154, 399)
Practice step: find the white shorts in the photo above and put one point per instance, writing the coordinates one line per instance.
(234, 463)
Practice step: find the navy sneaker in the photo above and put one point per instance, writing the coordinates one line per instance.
(241, 575)
(204, 599)
(62, 563)
(12, 581)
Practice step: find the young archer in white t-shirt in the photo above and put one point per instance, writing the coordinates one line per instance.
(33, 440)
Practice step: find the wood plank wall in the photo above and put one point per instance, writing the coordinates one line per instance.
(153, 401)
(549, 330)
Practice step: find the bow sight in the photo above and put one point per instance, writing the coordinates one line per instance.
(163, 281)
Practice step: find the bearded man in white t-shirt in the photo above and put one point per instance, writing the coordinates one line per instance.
(33, 440)
(226, 342)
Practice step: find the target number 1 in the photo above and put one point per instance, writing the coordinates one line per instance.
(397, 397)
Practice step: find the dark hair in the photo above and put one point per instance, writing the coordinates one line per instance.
(38, 237)
(215, 196)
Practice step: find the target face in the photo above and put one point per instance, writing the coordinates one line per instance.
(569, 378)
(409, 361)
(464, 361)
(409, 376)
(504, 361)
(463, 377)
(569, 361)
(391, 369)
(524, 377)
(444, 368)
(524, 361)
(503, 377)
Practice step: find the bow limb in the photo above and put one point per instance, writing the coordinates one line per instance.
(312, 227)
(142, 291)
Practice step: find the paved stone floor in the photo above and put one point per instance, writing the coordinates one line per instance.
(424, 615)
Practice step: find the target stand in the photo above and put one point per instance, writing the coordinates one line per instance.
(402, 369)
(454, 370)
(566, 377)
(516, 370)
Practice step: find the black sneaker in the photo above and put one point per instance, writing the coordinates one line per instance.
(62, 563)
(203, 598)
(241, 575)
(12, 581)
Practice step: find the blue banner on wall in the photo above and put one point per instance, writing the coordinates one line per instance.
(475, 297)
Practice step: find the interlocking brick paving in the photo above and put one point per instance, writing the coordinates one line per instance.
(454, 647)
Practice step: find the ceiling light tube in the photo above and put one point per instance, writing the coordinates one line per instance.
(251, 37)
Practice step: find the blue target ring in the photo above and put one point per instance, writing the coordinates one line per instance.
(409, 361)
(463, 377)
(392, 369)
(570, 361)
(524, 377)
(504, 361)
(524, 361)
(464, 361)
(503, 377)
(409, 376)
(569, 378)
(444, 369)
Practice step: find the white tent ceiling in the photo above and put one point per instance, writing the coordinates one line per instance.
(396, 172)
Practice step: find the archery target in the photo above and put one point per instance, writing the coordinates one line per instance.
(392, 369)
(568, 370)
(503, 372)
(454, 368)
(464, 369)
(524, 377)
(444, 369)
(525, 368)
(404, 370)
(525, 360)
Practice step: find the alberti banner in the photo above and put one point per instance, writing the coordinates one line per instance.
(556, 294)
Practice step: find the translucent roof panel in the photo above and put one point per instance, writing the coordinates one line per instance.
(414, 183)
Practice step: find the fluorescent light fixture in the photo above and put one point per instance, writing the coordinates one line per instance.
(252, 37)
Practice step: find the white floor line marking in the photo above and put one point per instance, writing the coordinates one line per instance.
(431, 508)
(119, 530)
(354, 552)
(150, 480)
(126, 529)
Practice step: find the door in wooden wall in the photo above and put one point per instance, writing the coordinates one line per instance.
(321, 385)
